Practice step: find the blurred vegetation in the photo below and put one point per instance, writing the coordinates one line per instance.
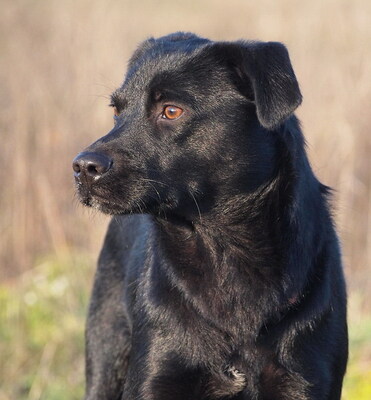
(59, 61)
(42, 321)
(41, 335)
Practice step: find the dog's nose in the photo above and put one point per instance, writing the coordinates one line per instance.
(91, 166)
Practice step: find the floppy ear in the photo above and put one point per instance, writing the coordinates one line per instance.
(266, 77)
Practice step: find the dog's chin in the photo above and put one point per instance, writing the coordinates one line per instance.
(110, 207)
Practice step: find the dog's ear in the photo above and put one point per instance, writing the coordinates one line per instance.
(265, 76)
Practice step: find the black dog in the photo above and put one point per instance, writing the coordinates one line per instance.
(230, 285)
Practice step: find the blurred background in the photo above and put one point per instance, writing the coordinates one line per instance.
(59, 62)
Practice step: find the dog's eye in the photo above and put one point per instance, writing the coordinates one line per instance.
(172, 112)
(116, 112)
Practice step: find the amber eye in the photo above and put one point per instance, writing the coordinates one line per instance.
(172, 112)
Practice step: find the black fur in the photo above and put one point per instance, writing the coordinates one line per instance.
(230, 284)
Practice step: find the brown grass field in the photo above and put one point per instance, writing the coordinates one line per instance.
(59, 61)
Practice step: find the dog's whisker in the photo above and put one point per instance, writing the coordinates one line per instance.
(197, 206)
(154, 188)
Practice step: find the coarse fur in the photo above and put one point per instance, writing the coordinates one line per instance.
(220, 276)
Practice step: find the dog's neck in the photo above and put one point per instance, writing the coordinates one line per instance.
(260, 234)
(234, 229)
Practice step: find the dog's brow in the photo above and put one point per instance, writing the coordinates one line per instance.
(176, 95)
(118, 100)
(158, 95)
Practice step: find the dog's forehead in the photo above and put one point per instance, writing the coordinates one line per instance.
(160, 57)
(174, 46)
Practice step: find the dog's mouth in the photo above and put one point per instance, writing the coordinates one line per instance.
(136, 194)
(108, 204)
(108, 207)
(112, 190)
(90, 198)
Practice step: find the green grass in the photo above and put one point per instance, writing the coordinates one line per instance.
(41, 331)
(358, 379)
(42, 318)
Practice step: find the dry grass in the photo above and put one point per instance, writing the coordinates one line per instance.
(59, 61)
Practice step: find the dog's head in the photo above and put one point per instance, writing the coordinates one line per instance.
(195, 122)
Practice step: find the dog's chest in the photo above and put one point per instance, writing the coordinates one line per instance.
(204, 311)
